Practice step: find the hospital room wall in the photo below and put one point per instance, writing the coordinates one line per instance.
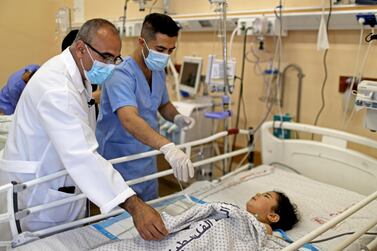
(28, 29)
(299, 47)
(28, 36)
(27, 33)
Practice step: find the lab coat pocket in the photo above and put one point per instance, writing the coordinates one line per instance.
(64, 213)
(17, 170)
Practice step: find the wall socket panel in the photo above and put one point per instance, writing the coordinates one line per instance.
(268, 26)
(133, 29)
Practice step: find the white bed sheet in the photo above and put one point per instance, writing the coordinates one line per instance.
(317, 203)
(92, 236)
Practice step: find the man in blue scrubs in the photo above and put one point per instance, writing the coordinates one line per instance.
(131, 97)
(11, 92)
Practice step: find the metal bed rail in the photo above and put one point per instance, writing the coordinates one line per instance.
(345, 137)
(328, 225)
(12, 216)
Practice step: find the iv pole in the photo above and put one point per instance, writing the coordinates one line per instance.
(222, 5)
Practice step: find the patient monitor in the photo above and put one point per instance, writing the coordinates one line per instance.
(215, 74)
(189, 78)
(367, 98)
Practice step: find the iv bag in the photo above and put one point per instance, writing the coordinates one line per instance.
(62, 20)
(322, 39)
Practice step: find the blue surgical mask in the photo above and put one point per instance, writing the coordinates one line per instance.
(99, 71)
(156, 61)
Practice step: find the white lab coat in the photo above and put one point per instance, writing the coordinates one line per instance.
(52, 130)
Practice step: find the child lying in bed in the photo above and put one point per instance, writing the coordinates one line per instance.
(274, 210)
(222, 226)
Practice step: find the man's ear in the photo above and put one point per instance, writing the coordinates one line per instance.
(140, 41)
(273, 217)
(79, 47)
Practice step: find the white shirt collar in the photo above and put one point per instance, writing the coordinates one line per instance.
(73, 70)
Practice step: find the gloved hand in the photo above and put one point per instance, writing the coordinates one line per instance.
(179, 161)
(184, 122)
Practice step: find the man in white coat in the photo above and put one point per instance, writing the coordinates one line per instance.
(53, 130)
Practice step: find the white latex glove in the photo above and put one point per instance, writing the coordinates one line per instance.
(179, 161)
(184, 122)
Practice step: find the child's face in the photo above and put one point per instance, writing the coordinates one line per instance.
(263, 204)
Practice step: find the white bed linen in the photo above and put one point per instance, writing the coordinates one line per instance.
(317, 203)
(212, 226)
(82, 238)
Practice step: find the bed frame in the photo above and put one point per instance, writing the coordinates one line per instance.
(13, 215)
(328, 160)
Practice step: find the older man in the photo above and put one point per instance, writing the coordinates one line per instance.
(53, 129)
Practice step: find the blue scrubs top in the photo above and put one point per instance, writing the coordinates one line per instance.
(11, 92)
(127, 86)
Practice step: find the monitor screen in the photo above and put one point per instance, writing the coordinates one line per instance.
(190, 70)
(190, 74)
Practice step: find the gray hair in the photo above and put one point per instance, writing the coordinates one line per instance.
(89, 29)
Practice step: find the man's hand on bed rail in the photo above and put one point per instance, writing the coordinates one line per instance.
(146, 219)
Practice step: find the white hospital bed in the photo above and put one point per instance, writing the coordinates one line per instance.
(8, 193)
(341, 170)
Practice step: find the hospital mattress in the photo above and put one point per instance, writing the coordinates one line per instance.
(317, 203)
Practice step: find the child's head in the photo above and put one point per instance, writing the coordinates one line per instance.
(273, 208)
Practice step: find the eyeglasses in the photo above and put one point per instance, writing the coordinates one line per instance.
(109, 58)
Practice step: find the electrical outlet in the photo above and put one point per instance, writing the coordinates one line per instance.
(132, 29)
(120, 28)
(260, 26)
(244, 23)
